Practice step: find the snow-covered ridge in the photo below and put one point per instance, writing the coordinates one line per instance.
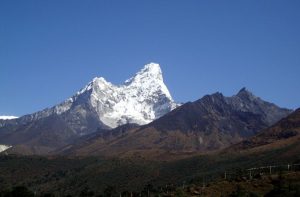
(140, 99)
(4, 147)
(7, 117)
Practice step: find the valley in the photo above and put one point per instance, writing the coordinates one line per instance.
(134, 140)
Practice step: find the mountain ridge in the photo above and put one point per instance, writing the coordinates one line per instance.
(208, 124)
(101, 113)
(283, 132)
(147, 84)
(99, 105)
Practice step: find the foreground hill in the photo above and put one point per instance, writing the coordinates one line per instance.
(64, 176)
(208, 124)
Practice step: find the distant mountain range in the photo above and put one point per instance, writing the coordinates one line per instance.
(208, 124)
(139, 118)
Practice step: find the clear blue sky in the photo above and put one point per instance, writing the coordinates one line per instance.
(50, 49)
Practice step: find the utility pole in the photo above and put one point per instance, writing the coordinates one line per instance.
(270, 169)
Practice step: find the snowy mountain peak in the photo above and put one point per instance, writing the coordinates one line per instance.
(100, 80)
(151, 69)
(101, 104)
(149, 80)
(141, 99)
(149, 72)
(101, 83)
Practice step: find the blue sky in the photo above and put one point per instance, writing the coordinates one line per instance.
(51, 49)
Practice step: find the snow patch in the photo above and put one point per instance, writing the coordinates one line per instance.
(4, 147)
(7, 117)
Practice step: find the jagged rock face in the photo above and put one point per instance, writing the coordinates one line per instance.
(210, 123)
(100, 105)
(247, 102)
(284, 133)
(242, 112)
(140, 100)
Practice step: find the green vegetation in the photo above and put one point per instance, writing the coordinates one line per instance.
(283, 184)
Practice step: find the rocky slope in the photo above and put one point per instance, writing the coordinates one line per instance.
(210, 123)
(284, 132)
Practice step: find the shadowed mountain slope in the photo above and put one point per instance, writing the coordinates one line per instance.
(210, 123)
(284, 132)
